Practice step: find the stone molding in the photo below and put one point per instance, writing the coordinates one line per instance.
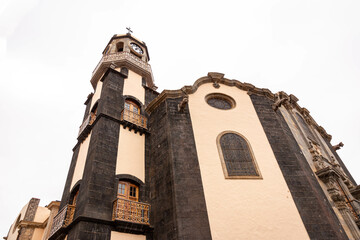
(29, 224)
(122, 59)
(289, 101)
(321, 163)
(332, 178)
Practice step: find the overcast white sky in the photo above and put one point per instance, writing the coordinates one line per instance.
(48, 50)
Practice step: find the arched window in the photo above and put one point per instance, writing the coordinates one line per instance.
(132, 106)
(128, 190)
(93, 113)
(74, 197)
(120, 46)
(236, 156)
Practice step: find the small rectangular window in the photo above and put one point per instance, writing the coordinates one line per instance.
(121, 190)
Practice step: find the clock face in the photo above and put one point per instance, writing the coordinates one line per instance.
(136, 48)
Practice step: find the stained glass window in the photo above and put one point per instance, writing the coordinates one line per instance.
(237, 156)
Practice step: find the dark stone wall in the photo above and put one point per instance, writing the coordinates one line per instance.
(316, 213)
(177, 195)
(191, 213)
(98, 185)
(159, 176)
(111, 102)
(90, 230)
(150, 95)
(66, 192)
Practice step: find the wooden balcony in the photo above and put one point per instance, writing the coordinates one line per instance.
(134, 118)
(62, 219)
(131, 211)
(85, 128)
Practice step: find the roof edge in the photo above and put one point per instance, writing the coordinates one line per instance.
(216, 78)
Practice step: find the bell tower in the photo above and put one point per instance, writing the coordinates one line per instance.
(105, 194)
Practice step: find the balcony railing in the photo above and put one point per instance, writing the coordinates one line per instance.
(88, 121)
(63, 218)
(134, 118)
(115, 57)
(131, 211)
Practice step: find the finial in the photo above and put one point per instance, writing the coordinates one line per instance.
(129, 30)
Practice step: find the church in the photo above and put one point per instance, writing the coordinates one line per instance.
(220, 159)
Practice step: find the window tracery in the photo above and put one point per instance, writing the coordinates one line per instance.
(236, 156)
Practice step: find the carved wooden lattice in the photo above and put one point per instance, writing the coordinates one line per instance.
(237, 156)
(63, 218)
(131, 211)
(134, 118)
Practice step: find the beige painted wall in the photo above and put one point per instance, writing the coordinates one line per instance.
(133, 86)
(251, 208)
(80, 162)
(126, 236)
(38, 234)
(42, 213)
(131, 154)
(97, 93)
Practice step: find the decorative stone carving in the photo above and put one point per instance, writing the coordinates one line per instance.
(330, 178)
(338, 146)
(306, 115)
(280, 100)
(288, 101)
(183, 103)
(216, 77)
(123, 59)
(318, 159)
(112, 66)
(356, 192)
(115, 57)
(216, 85)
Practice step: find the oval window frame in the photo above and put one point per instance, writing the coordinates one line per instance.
(222, 96)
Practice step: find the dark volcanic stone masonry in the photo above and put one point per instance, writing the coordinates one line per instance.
(177, 195)
(317, 215)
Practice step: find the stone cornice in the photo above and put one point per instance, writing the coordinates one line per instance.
(305, 114)
(27, 224)
(122, 59)
(216, 79)
(53, 204)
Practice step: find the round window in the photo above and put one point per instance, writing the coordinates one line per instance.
(220, 101)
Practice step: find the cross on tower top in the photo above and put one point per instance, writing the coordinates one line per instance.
(129, 30)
